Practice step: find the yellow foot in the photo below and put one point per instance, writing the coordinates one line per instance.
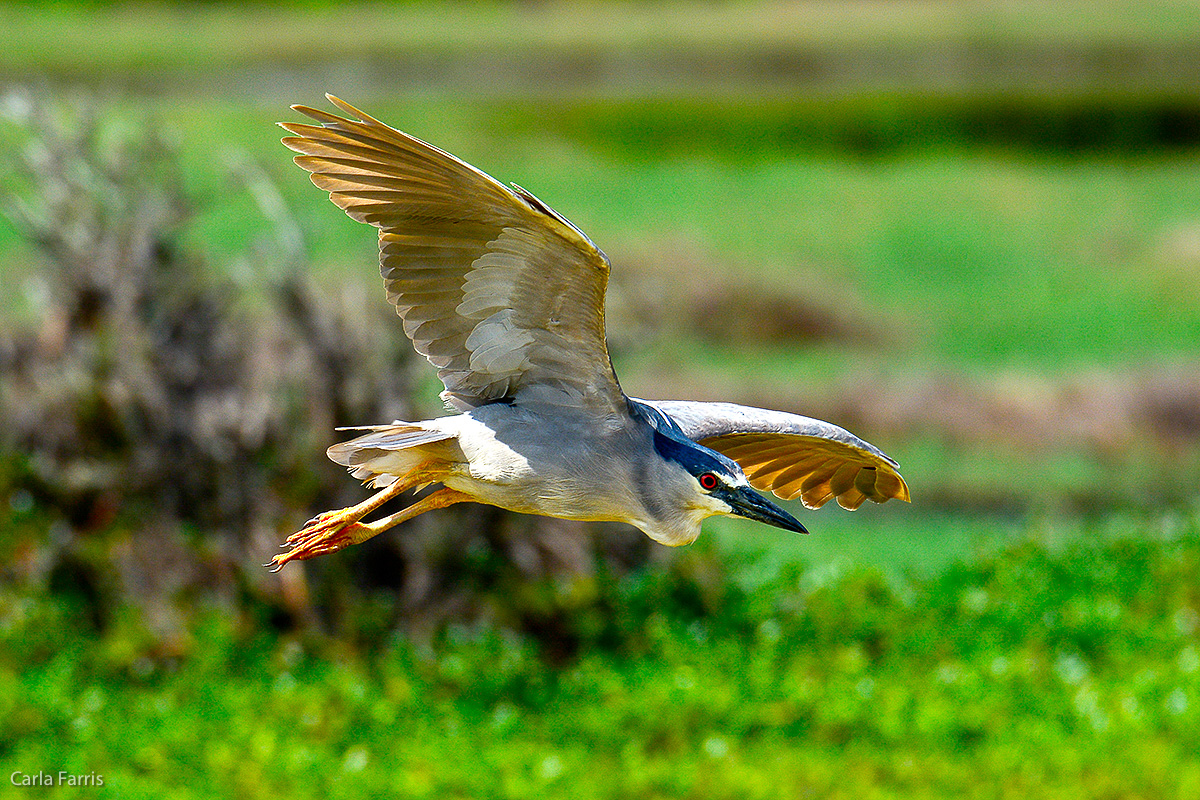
(324, 533)
(334, 530)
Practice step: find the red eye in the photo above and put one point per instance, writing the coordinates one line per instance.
(708, 481)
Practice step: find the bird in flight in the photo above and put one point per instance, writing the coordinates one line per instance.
(505, 298)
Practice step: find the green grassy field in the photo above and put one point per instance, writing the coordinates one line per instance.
(73, 39)
(1046, 671)
(975, 261)
(1010, 257)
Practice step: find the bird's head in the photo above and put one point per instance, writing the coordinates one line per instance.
(699, 482)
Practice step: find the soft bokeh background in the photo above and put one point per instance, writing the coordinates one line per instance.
(967, 231)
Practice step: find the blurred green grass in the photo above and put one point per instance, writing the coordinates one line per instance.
(984, 260)
(66, 38)
(1047, 670)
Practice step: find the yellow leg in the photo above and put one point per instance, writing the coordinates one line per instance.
(440, 499)
(334, 530)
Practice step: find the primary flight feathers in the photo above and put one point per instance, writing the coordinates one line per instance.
(500, 293)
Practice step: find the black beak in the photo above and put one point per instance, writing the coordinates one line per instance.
(748, 503)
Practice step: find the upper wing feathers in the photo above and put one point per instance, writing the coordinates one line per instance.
(791, 455)
(500, 293)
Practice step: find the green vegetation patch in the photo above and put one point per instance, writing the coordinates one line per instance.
(748, 128)
(1044, 671)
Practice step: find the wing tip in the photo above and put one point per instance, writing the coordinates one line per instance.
(345, 107)
(308, 111)
(326, 118)
(898, 491)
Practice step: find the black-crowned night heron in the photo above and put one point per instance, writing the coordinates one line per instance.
(506, 298)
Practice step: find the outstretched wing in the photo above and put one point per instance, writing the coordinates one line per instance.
(501, 294)
(791, 455)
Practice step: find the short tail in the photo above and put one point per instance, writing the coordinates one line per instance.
(377, 455)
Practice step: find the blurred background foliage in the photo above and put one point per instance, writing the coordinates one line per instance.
(968, 231)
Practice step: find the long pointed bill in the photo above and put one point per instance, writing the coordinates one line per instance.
(750, 504)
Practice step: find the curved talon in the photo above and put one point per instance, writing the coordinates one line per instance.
(327, 536)
(324, 515)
